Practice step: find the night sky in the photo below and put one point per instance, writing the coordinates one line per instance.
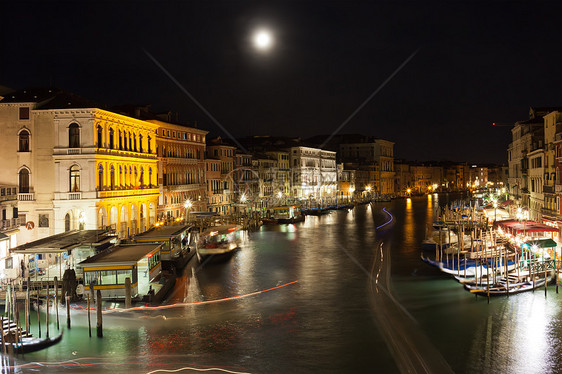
(477, 63)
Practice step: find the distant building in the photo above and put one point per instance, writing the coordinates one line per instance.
(221, 186)
(525, 135)
(314, 173)
(378, 152)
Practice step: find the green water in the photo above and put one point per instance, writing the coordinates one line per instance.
(326, 322)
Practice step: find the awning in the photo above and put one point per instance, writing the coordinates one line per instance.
(540, 243)
(506, 203)
(515, 227)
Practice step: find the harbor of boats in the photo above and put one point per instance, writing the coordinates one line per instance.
(492, 257)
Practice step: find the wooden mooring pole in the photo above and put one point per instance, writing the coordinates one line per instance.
(98, 314)
(89, 319)
(3, 340)
(28, 308)
(67, 299)
(47, 313)
(127, 293)
(57, 300)
(38, 314)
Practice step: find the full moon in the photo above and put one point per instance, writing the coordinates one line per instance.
(263, 40)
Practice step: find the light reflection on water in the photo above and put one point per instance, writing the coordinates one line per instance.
(324, 324)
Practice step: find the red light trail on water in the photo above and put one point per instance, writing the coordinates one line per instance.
(177, 305)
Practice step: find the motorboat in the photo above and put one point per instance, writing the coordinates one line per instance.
(218, 241)
(288, 214)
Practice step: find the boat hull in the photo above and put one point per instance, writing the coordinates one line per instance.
(503, 289)
(291, 220)
(35, 344)
(468, 269)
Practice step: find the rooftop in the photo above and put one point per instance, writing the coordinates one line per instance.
(122, 254)
(50, 98)
(64, 241)
(163, 232)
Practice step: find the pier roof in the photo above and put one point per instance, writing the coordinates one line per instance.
(64, 242)
(128, 254)
(162, 232)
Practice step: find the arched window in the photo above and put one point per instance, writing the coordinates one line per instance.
(73, 136)
(111, 138)
(140, 143)
(141, 180)
(148, 140)
(24, 181)
(112, 178)
(134, 143)
(100, 178)
(150, 177)
(24, 141)
(100, 137)
(120, 141)
(67, 222)
(74, 179)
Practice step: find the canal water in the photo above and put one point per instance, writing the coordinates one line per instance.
(333, 294)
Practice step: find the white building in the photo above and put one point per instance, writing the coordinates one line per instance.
(314, 173)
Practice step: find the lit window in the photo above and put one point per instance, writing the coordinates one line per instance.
(74, 179)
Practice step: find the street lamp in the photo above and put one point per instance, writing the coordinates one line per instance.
(187, 206)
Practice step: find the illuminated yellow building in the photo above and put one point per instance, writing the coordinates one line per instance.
(126, 172)
(76, 166)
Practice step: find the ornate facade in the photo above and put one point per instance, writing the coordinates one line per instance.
(77, 166)
(181, 156)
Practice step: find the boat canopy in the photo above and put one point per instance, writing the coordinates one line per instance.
(515, 227)
(540, 243)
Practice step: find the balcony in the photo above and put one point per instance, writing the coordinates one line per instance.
(550, 214)
(123, 153)
(9, 224)
(185, 187)
(74, 195)
(26, 196)
(548, 189)
(125, 193)
(73, 151)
